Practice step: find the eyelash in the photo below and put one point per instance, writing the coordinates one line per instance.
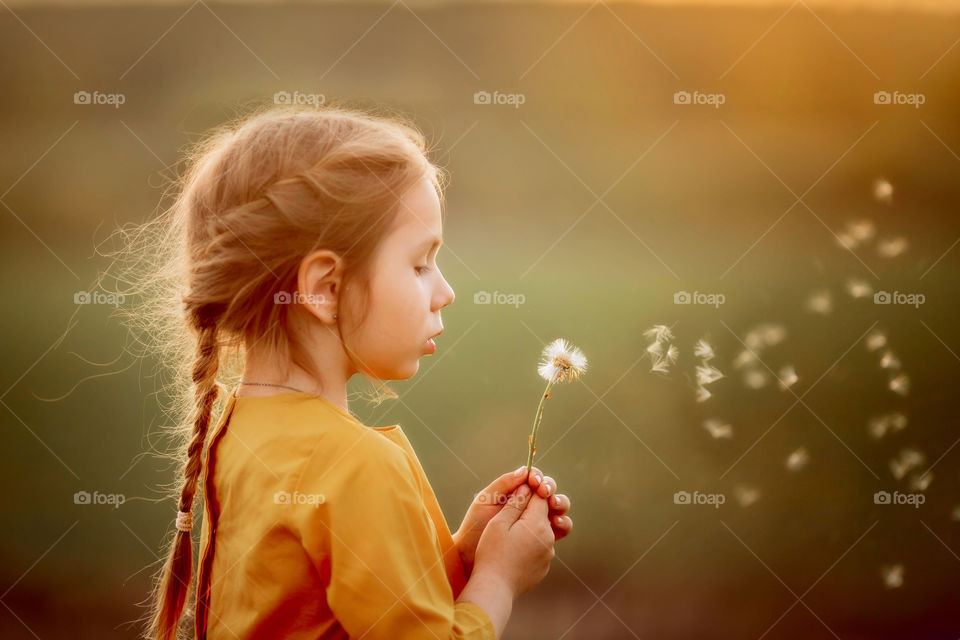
(421, 270)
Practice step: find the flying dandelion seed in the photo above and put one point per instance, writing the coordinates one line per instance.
(862, 230)
(956, 513)
(847, 240)
(703, 350)
(889, 361)
(707, 374)
(702, 394)
(560, 361)
(744, 358)
(662, 354)
(660, 333)
(773, 334)
(718, 429)
(892, 247)
(900, 384)
(879, 426)
(876, 341)
(788, 376)
(882, 191)
(920, 482)
(859, 288)
(798, 459)
(746, 496)
(820, 302)
(892, 576)
(906, 461)
(755, 379)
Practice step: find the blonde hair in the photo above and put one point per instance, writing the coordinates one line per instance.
(259, 194)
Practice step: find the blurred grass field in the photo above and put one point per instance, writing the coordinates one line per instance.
(698, 186)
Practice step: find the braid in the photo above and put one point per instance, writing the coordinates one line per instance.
(176, 577)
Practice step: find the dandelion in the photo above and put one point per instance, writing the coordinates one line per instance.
(820, 302)
(892, 248)
(745, 495)
(560, 362)
(798, 459)
(859, 288)
(788, 376)
(718, 429)
(900, 384)
(882, 191)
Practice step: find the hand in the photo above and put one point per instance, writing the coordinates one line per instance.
(491, 500)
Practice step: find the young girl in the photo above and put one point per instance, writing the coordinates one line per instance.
(304, 241)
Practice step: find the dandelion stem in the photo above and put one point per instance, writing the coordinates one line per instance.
(536, 425)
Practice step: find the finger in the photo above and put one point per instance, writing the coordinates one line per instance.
(499, 489)
(536, 511)
(547, 487)
(535, 477)
(559, 505)
(561, 525)
(515, 506)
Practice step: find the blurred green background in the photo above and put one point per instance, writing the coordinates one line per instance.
(597, 199)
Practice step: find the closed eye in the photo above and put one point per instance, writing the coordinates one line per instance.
(421, 270)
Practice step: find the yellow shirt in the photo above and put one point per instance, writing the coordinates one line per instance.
(317, 526)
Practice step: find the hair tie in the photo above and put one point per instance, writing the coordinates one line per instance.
(184, 520)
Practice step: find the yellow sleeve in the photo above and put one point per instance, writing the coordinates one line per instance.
(374, 537)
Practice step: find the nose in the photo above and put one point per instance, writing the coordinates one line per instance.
(446, 294)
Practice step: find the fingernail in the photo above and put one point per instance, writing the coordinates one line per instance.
(537, 478)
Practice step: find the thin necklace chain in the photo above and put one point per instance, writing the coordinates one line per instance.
(271, 384)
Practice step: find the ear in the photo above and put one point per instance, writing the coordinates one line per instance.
(318, 284)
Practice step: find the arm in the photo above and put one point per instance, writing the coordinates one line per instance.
(489, 593)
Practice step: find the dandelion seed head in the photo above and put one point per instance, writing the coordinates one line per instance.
(797, 459)
(882, 191)
(561, 361)
(892, 576)
(718, 429)
(893, 247)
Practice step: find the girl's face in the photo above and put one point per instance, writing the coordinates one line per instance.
(406, 292)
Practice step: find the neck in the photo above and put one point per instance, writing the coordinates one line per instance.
(259, 367)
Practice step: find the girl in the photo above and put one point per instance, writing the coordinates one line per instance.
(304, 241)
